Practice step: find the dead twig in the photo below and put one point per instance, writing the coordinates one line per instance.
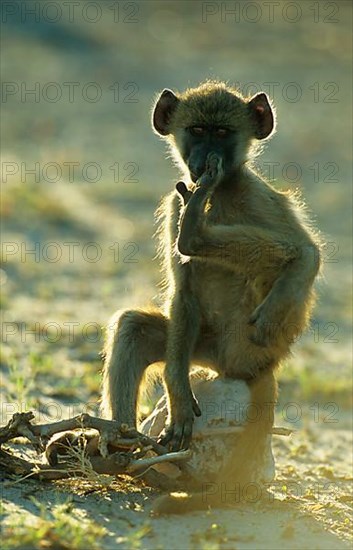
(233, 430)
(144, 463)
(114, 433)
(109, 432)
(133, 458)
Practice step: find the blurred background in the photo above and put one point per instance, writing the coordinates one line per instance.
(82, 171)
(81, 176)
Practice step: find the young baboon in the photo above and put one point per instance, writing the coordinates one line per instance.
(239, 258)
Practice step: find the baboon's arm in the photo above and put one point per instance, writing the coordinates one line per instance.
(238, 246)
(252, 250)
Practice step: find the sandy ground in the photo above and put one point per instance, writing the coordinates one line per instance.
(309, 504)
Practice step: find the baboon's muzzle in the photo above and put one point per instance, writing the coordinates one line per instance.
(197, 161)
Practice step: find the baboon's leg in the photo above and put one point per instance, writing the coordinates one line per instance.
(135, 340)
(250, 446)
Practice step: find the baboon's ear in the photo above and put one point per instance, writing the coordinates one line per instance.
(163, 110)
(262, 115)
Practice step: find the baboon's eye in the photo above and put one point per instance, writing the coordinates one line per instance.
(197, 130)
(222, 132)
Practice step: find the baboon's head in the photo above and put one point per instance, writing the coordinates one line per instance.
(212, 117)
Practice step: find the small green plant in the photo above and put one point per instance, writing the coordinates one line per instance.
(134, 540)
(40, 363)
(62, 527)
(20, 385)
(77, 461)
(211, 539)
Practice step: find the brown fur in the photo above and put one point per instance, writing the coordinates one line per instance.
(239, 260)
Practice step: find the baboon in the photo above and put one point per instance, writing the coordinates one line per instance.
(239, 258)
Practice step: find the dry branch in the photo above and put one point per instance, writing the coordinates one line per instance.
(129, 450)
(116, 434)
(124, 461)
(233, 430)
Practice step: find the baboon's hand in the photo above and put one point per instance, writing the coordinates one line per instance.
(208, 181)
(213, 172)
(183, 191)
(178, 432)
(270, 321)
(267, 322)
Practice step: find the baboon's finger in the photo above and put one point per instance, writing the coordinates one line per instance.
(183, 191)
(181, 188)
(165, 437)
